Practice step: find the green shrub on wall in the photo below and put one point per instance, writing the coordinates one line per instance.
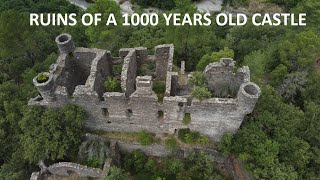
(201, 93)
(42, 77)
(192, 137)
(186, 118)
(112, 84)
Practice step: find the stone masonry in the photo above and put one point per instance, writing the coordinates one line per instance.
(79, 74)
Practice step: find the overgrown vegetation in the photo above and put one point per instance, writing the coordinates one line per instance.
(145, 138)
(163, 4)
(279, 140)
(93, 152)
(186, 118)
(192, 137)
(147, 69)
(171, 143)
(159, 87)
(42, 77)
(201, 93)
(195, 166)
(112, 84)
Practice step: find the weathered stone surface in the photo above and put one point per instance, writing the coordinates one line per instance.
(65, 168)
(65, 43)
(129, 73)
(77, 78)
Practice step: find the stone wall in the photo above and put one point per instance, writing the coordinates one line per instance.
(78, 77)
(129, 73)
(164, 60)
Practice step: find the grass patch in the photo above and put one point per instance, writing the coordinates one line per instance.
(159, 87)
(171, 143)
(186, 118)
(145, 138)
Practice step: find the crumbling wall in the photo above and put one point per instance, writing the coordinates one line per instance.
(129, 73)
(150, 150)
(101, 68)
(78, 77)
(164, 59)
(215, 116)
(64, 169)
(219, 74)
(141, 55)
(75, 69)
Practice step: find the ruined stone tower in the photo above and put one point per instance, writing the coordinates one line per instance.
(78, 78)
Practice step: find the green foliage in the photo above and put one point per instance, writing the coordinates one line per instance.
(310, 132)
(198, 79)
(192, 137)
(145, 138)
(102, 35)
(288, 3)
(147, 69)
(171, 143)
(214, 57)
(256, 62)
(186, 118)
(293, 86)
(197, 165)
(117, 174)
(245, 39)
(312, 87)
(51, 134)
(159, 87)
(135, 162)
(93, 152)
(225, 144)
(200, 166)
(237, 3)
(277, 141)
(112, 84)
(201, 93)
(42, 77)
(299, 51)
(278, 74)
(163, 4)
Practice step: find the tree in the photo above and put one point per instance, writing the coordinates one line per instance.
(199, 166)
(257, 63)
(214, 57)
(299, 52)
(103, 36)
(51, 134)
(293, 86)
(225, 144)
(117, 174)
(198, 79)
(278, 74)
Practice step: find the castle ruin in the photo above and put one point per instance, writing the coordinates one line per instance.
(79, 74)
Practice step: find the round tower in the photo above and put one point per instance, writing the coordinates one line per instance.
(248, 95)
(65, 43)
(45, 87)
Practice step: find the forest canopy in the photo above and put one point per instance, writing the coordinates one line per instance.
(279, 140)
